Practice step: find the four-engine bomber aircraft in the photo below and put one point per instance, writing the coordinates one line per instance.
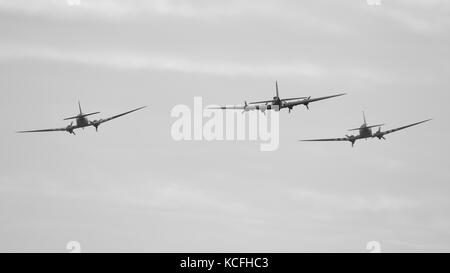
(276, 103)
(82, 121)
(365, 132)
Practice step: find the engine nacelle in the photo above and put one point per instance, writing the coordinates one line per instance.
(70, 128)
(379, 134)
(352, 139)
(96, 123)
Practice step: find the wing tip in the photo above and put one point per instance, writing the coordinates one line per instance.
(423, 121)
(137, 109)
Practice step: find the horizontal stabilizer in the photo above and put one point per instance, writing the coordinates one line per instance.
(83, 115)
(262, 101)
(356, 129)
(299, 98)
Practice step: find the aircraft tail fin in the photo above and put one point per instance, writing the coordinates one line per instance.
(81, 113)
(364, 117)
(276, 87)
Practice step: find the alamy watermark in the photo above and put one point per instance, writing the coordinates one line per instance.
(200, 123)
(373, 247)
(74, 247)
(73, 2)
(373, 2)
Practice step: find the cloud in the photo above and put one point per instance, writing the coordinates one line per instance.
(412, 22)
(180, 196)
(413, 246)
(394, 164)
(206, 9)
(143, 61)
(376, 203)
(168, 196)
(419, 16)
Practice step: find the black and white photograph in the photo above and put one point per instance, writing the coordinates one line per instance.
(224, 126)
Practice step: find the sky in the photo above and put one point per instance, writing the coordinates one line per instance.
(132, 188)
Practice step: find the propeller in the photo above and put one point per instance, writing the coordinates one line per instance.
(245, 107)
(69, 128)
(352, 139)
(96, 123)
(379, 134)
(307, 102)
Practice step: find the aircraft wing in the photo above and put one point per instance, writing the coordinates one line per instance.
(327, 139)
(309, 100)
(68, 129)
(351, 139)
(324, 98)
(96, 123)
(262, 101)
(380, 134)
(240, 107)
(299, 98)
(231, 107)
(272, 101)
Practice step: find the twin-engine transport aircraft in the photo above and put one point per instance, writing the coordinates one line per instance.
(365, 132)
(81, 122)
(276, 103)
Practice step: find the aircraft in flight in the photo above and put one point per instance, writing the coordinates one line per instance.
(276, 103)
(82, 122)
(365, 132)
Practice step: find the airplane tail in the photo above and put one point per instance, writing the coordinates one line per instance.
(81, 113)
(364, 117)
(79, 107)
(276, 87)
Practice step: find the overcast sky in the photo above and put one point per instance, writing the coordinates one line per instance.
(131, 187)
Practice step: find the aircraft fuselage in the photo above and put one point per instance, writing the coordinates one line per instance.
(82, 122)
(267, 107)
(365, 132)
(277, 105)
